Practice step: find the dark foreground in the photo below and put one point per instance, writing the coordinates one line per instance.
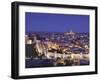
(36, 63)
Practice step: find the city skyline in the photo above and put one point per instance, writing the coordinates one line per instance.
(46, 22)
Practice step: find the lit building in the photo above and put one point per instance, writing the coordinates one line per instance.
(70, 33)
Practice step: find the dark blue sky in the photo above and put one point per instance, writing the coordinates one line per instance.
(56, 22)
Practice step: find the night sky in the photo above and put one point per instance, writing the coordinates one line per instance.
(56, 22)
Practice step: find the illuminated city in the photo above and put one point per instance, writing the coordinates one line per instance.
(49, 48)
(67, 46)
